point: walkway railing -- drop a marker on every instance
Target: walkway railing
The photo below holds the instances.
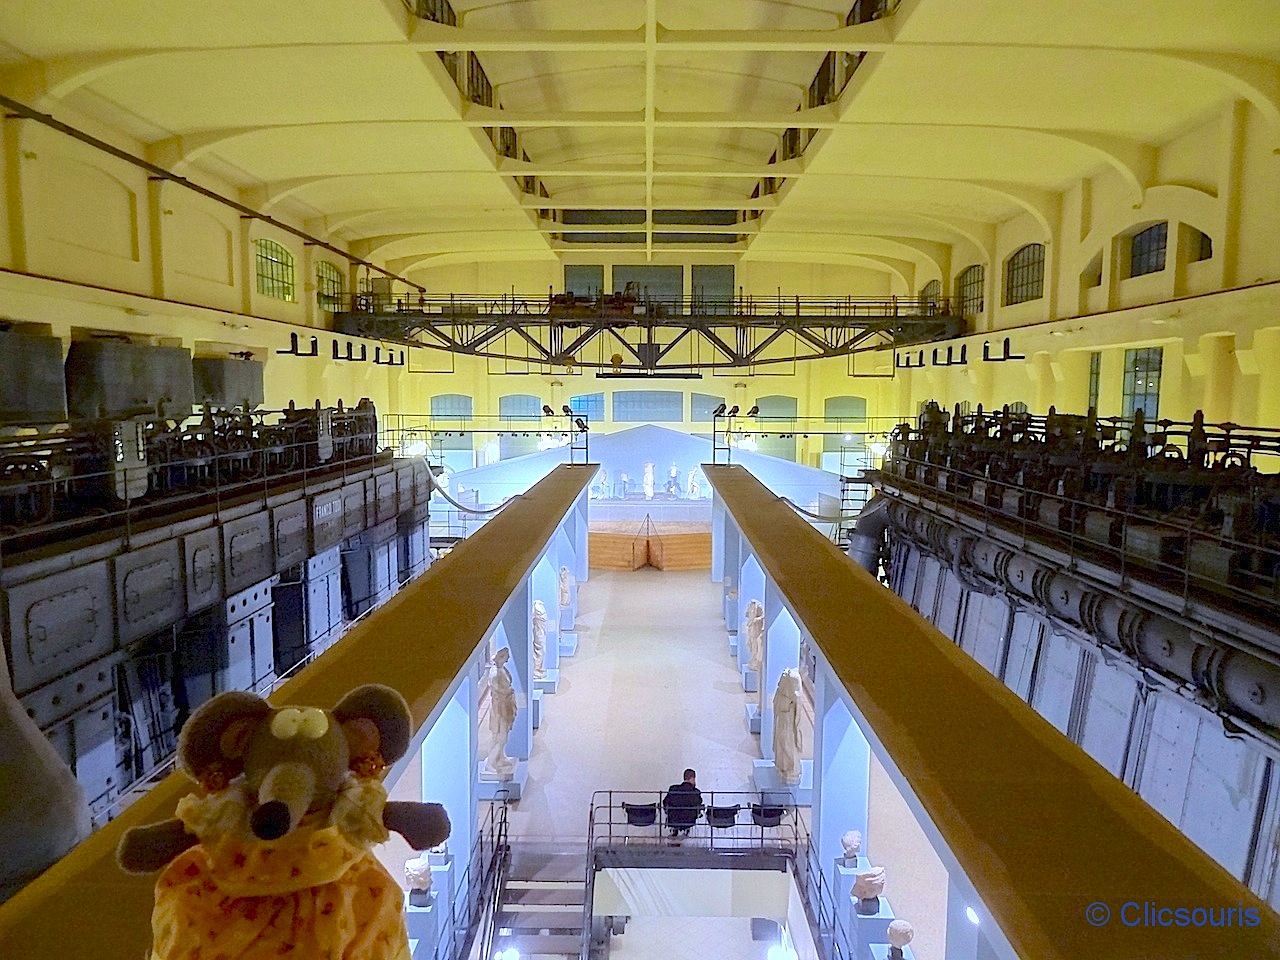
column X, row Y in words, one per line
column 474, row 907
column 731, row 824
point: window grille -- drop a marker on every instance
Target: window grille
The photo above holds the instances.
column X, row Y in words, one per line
column 1024, row 275
column 969, row 287
column 1147, row 249
column 274, row 267
column 329, row 286
column 1142, row 382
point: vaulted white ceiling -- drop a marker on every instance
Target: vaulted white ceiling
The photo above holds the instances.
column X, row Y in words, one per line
column 340, row 113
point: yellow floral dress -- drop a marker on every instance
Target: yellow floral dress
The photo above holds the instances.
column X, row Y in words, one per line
column 316, row 893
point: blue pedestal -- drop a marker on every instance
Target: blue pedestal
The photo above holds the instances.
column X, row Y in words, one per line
column 753, row 717
column 423, row 926
column 845, row 876
column 733, row 645
column 774, row 790
column 548, row 684
column 489, row 789
column 535, row 708
column 872, row 930
column 566, row 618
column 568, row 643
column 750, row 680
column 880, row 951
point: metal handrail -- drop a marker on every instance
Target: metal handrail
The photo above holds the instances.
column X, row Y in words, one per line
column 468, row 915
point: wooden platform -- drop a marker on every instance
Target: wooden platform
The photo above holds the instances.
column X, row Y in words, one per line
column 1041, row 830
column 618, row 545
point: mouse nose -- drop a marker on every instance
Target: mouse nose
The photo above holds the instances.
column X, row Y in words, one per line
column 271, row 821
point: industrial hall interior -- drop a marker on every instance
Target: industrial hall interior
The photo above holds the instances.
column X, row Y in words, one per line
column 640, row 479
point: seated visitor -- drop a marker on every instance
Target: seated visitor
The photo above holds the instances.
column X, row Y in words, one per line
column 682, row 805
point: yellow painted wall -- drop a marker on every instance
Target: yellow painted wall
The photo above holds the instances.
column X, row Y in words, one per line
column 176, row 264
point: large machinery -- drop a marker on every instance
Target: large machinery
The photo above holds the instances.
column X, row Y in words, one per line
column 1123, row 578
column 163, row 539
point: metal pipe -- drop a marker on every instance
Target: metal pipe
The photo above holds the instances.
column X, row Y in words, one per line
column 868, row 534
column 33, row 835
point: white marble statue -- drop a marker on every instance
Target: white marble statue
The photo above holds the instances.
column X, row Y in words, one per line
column 786, row 726
column 868, row 886
column 755, row 635
column 694, row 489
column 565, row 594
column 502, row 717
column 852, row 843
column 539, row 640
column 648, row 480
column 900, row 934
column 417, row 874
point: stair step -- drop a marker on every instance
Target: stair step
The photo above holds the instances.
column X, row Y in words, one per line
column 542, row 907
column 545, row 885
column 535, row 946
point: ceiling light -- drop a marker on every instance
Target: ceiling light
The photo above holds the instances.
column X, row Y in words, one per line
column 972, row 915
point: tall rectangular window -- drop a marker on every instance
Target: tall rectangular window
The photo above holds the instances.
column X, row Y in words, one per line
column 1095, row 380
column 969, row 288
column 1147, row 249
column 1142, row 382
column 645, row 406
column 273, row 265
column 328, row 286
column 1024, row 275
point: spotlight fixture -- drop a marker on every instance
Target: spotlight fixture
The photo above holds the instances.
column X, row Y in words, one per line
column 546, row 408
column 733, row 411
column 755, row 409
column 566, row 410
column 719, row 411
column 582, row 424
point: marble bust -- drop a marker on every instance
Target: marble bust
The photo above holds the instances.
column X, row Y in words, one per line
column 900, row 934
column 852, row 843
column 868, row 885
column 417, row 874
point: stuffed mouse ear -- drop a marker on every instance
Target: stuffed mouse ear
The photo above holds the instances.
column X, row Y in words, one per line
column 388, row 712
column 211, row 744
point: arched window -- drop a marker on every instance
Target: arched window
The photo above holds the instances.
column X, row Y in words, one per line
column 451, row 405
column 970, row 290
column 329, row 286
column 1201, row 246
column 1147, row 249
column 519, row 406
column 274, row 267
column 931, row 291
column 1024, row 275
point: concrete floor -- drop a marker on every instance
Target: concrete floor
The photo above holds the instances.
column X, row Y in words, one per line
column 651, row 691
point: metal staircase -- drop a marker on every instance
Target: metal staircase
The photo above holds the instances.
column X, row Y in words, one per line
column 539, row 911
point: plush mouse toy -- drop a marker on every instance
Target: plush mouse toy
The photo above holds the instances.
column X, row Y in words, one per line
column 272, row 858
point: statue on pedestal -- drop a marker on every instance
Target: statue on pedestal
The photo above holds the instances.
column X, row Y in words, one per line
column 852, row 843
column 539, row 640
column 755, row 635
column 417, row 874
column 694, row 484
column 868, row 885
column 900, row 934
column 502, row 717
column 786, row 726
column 648, row 480
column 565, row 600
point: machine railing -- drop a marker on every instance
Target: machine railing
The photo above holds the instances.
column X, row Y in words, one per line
column 1179, row 555
column 65, row 480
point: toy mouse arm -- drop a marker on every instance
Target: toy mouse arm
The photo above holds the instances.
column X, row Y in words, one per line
column 148, row 849
column 423, row 825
